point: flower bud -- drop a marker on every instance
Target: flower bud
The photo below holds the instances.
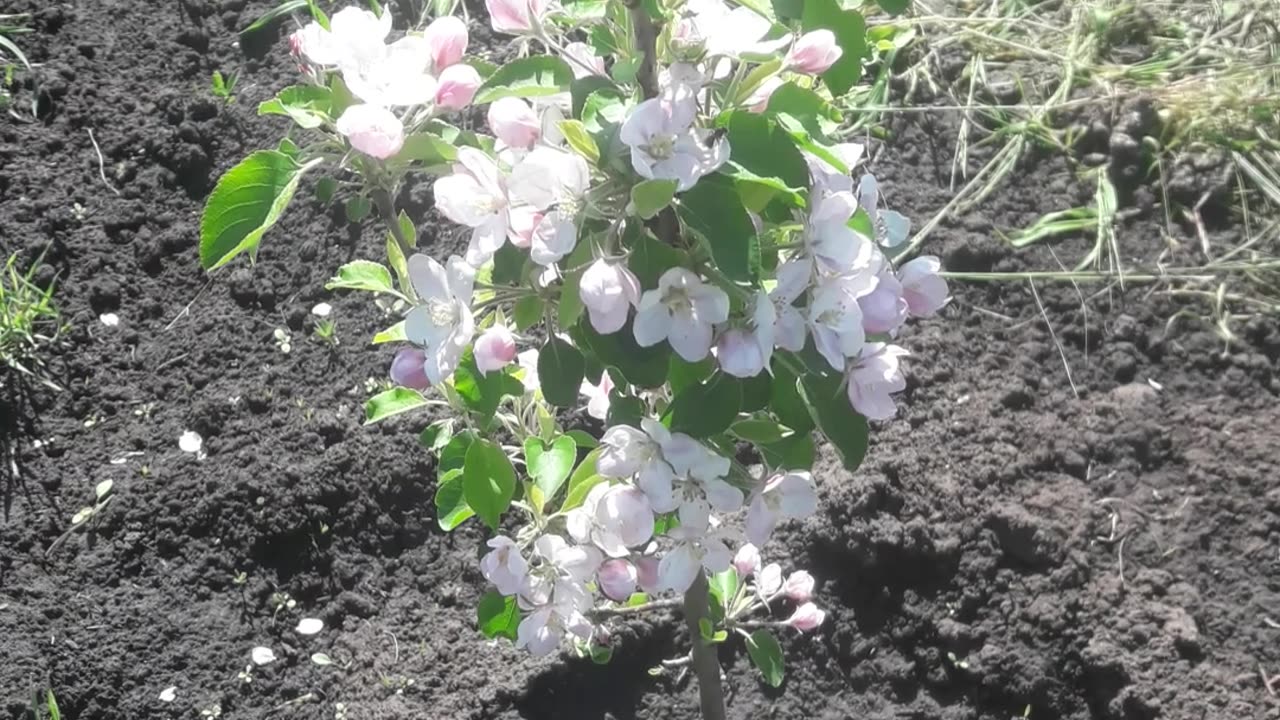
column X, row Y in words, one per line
column 408, row 369
column 758, row 101
column 747, row 560
column 495, row 349
column 617, row 579
column 513, row 121
column 807, row 617
column 516, row 17
column 447, row 39
column 738, row 353
column 924, row 290
column 770, row 580
column 296, row 41
column 814, row 53
column 457, row 87
column 799, row 586
column 374, row 131
column 608, row 290
column 647, row 574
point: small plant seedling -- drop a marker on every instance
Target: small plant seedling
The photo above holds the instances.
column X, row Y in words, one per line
column 284, row 340
column 224, row 86
column 30, row 323
column 11, row 56
column 325, row 331
column 102, row 497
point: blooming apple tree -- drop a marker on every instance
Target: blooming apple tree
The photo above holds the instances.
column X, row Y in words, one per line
column 658, row 228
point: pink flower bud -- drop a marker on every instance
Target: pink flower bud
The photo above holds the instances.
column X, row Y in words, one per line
column 814, row 53
column 447, row 39
column 295, row 43
column 883, row 309
column 457, row 87
column 758, row 102
column 799, row 586
column 408, row 369
column 495, row 349
column 747, row 560
column 608, row 290
column 373, row 130
column 807, row 617
column 738, row 353
column 513, row 121
column 617, row 579
column 647, row 574
column 770, row 579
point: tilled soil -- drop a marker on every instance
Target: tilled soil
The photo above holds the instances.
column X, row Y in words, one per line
column 1073, row 516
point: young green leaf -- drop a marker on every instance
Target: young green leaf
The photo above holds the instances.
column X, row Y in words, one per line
column 481, row 392
column 766, row 655
column 575, row 133
column 246, row 203
column 488, row 481
column 549, row 466
column 362, row 275
column 358, row 208
column 497, row 615
column 275, row 13
column 391, row 402
column 306, row 105
column 707, row 408
column 641, row 366
column 527, row 312
column 395, row 333
column 584, row 478
column 760, row 431
column 651, row 196
column 830, row 409
column 817, row 115
column 560, row 371
column 451, row 507
column 583, row 439
column 536, row 76
column 796, row 452
column 454, row 454
column 436, row 435
column 429, row 149
column 723, row 586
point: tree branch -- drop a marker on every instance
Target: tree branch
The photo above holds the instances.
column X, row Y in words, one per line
column 706, row 665
column 646, row 35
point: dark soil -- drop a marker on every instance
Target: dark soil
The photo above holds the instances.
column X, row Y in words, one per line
column 1012, row 545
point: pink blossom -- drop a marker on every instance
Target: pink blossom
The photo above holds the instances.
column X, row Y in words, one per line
column 799, row 586
column 924, row 290
column 617, row 579
column 457, row 87
column 647, row 573
column 495, row 349
column 814, row 53
column 374, row 131
column 447, row 38
column 408, row 369
column 874, row 376
column 788, row 495
column 883, row 309
column 514, row 122
column 807, row 617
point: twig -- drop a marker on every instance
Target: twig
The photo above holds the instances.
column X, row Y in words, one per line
column 706, row 664
column 670, row 603
column 1268, row 682
column 1054, row 336
column 187, row 310
column 102, row 170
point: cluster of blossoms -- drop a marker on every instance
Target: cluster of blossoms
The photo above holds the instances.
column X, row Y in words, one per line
column 596, row 270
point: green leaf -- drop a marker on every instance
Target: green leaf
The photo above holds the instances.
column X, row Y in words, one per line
column 818, row 116
column 395, row 333
column 451, row 507
column 307, row 105
column 845, row 429
column 683, row 373
column 362, row 275
column 391, row 402
column 894, row 7
column 766, row 655
column 757, row 192
column 358, row 208
column 651, row 196
column 437, row 435
column 760, row 431
column 454, row 454
column 723, row 586
column 427, row 148
column 583, row 439
column 755, row 391
column 527, row 312
column 624, row 409
column 766, row 150
column 549, row 466
column 793, row 453
column 488, row 481
column 583, row 87
column 575, row 133
column 325, row 188
column 579, row 489
column 497, row 615
column 649, row 257
column 788, row 9
column 714, row 209
column 560, row 371
column 785, row 399
column 482, row 393
column 850, row 29
column 643, row 367
column 246, row 202
column 536, row 76
column 705, row 409
column 600, row 655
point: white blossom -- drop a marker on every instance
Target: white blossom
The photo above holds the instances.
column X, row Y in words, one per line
column 554, row 182
column 682, row 311
column 475, row 195
column 788, row 495
column 442, row 324
column 835, row 246
column 665, row 145
column 504, row 566
column 835, row 318
column 873, row 378
column 746, row 350
column 923, row 290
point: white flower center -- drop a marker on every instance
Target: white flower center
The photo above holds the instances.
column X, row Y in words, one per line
column 661, row 147
column 677, row 299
